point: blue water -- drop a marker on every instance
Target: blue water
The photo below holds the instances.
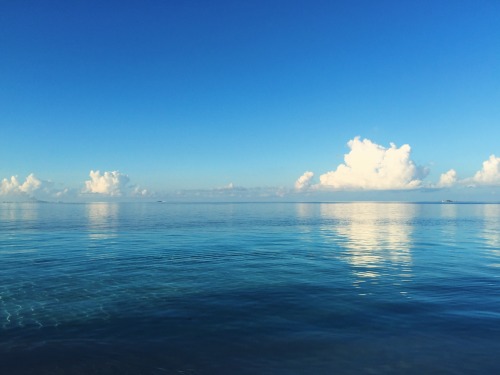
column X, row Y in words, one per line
column 341, row 288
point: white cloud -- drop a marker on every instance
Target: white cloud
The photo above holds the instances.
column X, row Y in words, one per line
column 490, row 174
column 230, row 192
column 369, row 166
column 229, row 186
column 31, row 184
column 109, row 183
column 304, row 181
column 62, row 193
column 33, row 188
column 12, row 186
column 447, row 179
column 140, row 192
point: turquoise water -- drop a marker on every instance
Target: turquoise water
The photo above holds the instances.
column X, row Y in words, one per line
column 345, row 288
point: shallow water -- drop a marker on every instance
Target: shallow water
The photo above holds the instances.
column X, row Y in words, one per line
column 345, row 288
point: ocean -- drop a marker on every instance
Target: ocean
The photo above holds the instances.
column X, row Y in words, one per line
column 249, row 288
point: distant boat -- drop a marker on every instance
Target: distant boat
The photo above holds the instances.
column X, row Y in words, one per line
column 447, row 201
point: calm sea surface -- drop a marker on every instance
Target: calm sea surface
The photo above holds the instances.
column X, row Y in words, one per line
column 341, row 288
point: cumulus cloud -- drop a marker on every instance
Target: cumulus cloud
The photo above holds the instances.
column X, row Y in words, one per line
column 12, row 186
column 490, row 173
column 448, row 179
column 109, row 183
column 369, row 166
column 304, row 181
column 113, row 184
column 31, row 188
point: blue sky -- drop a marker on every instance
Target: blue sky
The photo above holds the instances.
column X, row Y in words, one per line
column 199, row 96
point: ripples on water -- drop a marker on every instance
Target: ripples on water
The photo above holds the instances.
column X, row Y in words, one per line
column 249, row 288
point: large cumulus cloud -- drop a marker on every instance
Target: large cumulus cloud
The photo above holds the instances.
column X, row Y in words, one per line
column 109, row 183
column 369, row 166
column 113, row 184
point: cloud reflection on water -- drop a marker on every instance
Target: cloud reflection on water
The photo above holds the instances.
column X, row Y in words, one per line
column 491, row 229
column 375, row 237
column 19, row 212
column 102, row 220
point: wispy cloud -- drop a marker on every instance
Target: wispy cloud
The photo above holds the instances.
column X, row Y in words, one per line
column 230, row 192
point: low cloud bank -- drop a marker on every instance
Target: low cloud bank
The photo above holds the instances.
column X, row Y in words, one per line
column 228, row 193
column 366, row 167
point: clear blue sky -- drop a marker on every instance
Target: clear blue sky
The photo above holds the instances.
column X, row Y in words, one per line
column 198, row 94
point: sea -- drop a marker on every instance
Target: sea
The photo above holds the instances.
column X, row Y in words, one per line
column 249, row 288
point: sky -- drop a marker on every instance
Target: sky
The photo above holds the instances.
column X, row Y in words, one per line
column 250, row 100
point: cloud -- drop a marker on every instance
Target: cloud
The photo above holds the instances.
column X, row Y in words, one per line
column 140, row 192
column 369, row 166
column 113, row 184
column 230, row 187
column 490, row 173
column 33, row 188
column 230, row 192
column 62, row 193
column 304, row 181
column 12, row 186
column 109, row 183
column 447, row 179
